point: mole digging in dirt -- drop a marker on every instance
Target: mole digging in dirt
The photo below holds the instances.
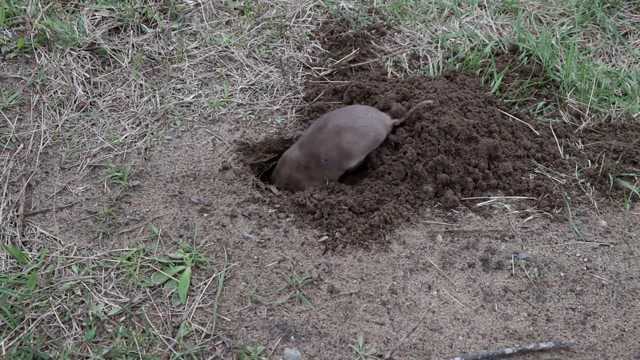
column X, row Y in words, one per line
column 337, row 142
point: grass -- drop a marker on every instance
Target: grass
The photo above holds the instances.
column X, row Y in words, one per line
column 584, row 48
column 119, row 175
column 175, row 272
column 295, row 285
column 252, row 352
column 361, row 351
column 35, row 27
column 69, row 290
column 9, row 98
column 106, row 82
column 293, row 290
column 630, row 182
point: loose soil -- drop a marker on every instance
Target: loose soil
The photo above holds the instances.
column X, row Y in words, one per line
column 464, row 148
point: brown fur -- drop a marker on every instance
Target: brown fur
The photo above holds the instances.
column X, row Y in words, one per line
column 336, row 142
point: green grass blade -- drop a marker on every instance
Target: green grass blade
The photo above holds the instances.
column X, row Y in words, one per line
column 183, row 285
column 161, row 277
column 7, row 317
column 634, row 189
column 32, row 280
column 17, row 254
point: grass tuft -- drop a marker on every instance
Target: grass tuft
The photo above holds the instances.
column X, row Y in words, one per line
column 252, row 352
column 361, row 351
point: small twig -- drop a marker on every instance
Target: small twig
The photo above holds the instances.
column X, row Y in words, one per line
column 6, row 344
column 389, row 354
column 557, row 142
column 454, row 298
column 498, row 198
column 39, row 229
column 439, row 223
column 221, row 277
column 156, row 332
column 139, row 225
column 53, row 208
column 441, row 272
column 590, row 243
column 4, row 75
column 515, row 350
column 346, row 58
column 275, row 347
column 519, row 120
column 384, row 57
column 197, row 303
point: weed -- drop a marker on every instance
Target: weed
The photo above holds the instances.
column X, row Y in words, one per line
column 67, row 31
column 118, row 175
column 572, row 220
column 361, row 351
column 399, row 9
column 105, row 220
column 511, row 7
column 295, row 284
column 531, row 271
column 155, row 232
column 9, row 99
column 597, row 12
column 176, row 270
column 31, row 352
column 252, row 352
column 355, row 15
column 630, row 182
column 140, row 16
column 131, row 262
column 221, row 102
column 293, row 290
column 18, row 288
column 10, row 11
column 49, row 26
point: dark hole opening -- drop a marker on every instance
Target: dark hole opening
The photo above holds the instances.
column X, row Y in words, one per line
column 357, row 174
column 264, row 169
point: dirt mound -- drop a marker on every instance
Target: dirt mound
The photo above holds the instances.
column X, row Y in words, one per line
column 463, row 146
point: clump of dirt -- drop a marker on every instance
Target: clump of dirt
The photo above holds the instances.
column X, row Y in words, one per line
column 461, row 147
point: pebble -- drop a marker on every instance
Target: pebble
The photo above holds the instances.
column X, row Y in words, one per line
column 291, row 354
column 199, row 200
column 520, row 256
column 247, row 236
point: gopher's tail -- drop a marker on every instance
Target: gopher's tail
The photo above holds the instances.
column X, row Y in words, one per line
column 418, row 106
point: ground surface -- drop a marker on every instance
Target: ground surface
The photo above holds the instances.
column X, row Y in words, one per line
column 138, row 222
